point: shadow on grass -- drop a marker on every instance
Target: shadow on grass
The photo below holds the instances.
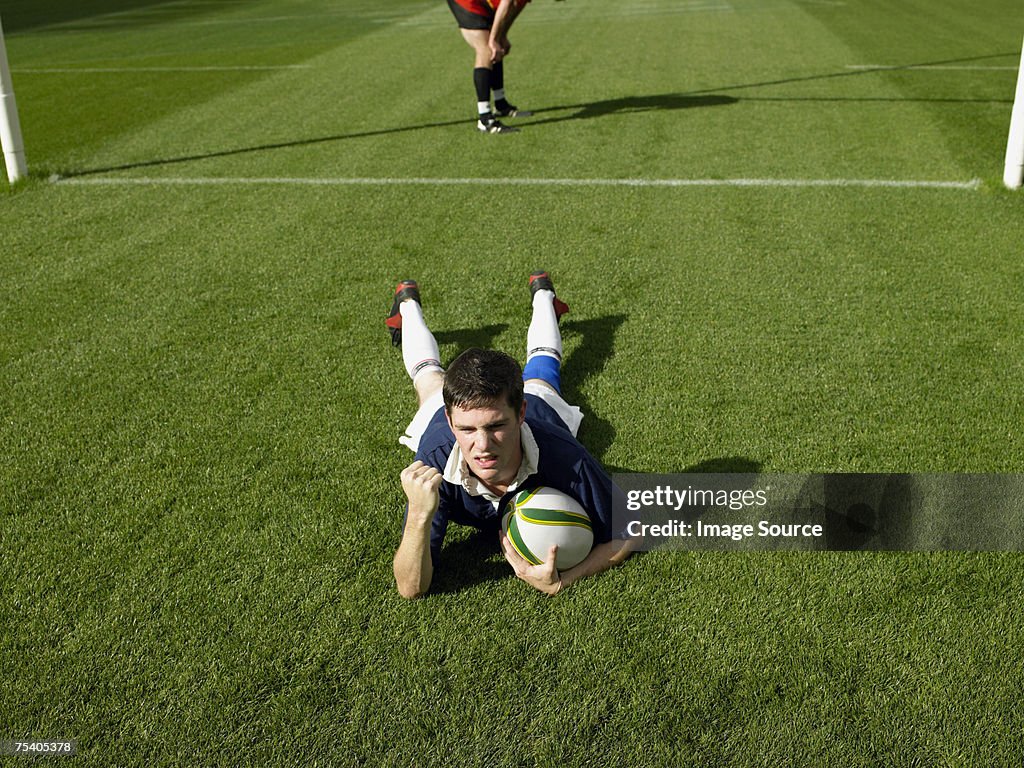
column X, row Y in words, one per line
column 582, row 111
column 740, row 465
column 864, row 511
column 465, row 338
column 630, row 104
column 583, row 364
column 473, row 560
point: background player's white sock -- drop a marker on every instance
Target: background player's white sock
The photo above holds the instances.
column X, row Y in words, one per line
column 419, row 347
column 543, row 336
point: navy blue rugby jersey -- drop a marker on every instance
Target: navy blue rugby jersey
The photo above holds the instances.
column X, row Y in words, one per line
column 564, row 464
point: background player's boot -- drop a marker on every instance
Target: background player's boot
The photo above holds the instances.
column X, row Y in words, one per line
column 490, row 124
column 407, row 289
column 507, row 110
column 541, row 281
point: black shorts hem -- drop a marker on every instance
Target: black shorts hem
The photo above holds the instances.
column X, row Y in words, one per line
column 469, row 20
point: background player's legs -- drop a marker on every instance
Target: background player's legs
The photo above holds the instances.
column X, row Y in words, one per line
column 498, row 87
column 502, row 107
column 482, row 69
column 483, row 72
column 477, row 39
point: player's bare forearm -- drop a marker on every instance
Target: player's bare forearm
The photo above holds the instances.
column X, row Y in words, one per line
column 414, row 568
column 545, row 578
column 505, row 14
column 601, row 558
column 413, row 565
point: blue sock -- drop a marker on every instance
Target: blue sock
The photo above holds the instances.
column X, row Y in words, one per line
column 546, row 368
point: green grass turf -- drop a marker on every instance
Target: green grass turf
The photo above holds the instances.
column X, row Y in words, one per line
column 199, row 407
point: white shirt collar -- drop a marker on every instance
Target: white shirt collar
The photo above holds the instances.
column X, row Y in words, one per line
column 456, row 471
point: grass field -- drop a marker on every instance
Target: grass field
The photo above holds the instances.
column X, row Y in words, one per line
column 813, row 267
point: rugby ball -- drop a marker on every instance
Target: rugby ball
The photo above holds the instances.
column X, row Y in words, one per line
column 540, row 517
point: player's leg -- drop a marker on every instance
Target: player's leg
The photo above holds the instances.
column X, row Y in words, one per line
column 428, row 385
column 477, row 40
column 542, row 373
column 476, row 31
column 419, row 347
column 483, row 80
column 483, row 71
column 502, row 108
column 543, row 338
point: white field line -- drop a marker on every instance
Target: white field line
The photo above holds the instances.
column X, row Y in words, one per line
column 129, row 70
column 211, row 181
column 937, row 67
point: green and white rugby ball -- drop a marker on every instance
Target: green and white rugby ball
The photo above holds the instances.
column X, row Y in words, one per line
column 540, row 517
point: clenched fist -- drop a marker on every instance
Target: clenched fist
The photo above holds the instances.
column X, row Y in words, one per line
column 421, row 484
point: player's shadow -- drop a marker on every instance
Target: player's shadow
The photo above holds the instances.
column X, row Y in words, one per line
column 738, row 465
column 863, row 511
column 586, row 361
column 665, row 101
column 464, row 338
column 475, row 559
column 588, row 110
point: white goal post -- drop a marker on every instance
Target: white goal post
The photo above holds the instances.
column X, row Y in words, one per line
column 10, row 129
column 1013, row 171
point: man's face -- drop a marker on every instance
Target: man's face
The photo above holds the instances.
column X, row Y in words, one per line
column 490, row 441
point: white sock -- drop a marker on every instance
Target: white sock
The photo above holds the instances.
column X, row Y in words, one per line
column 419, row 347
column 543, row 336
column 483, row 107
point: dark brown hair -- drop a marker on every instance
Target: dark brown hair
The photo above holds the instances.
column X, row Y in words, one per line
column 479, row 377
